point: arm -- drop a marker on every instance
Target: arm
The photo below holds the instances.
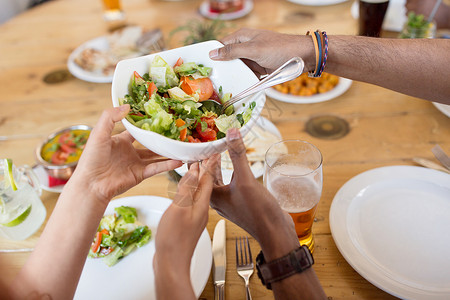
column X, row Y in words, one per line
column 179, row 230
column 416, row 67
column 248, row 204
column 107, row 167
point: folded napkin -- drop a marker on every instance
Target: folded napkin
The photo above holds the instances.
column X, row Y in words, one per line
column 52, row 181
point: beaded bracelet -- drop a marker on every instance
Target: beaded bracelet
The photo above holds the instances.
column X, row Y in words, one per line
column 325, row 53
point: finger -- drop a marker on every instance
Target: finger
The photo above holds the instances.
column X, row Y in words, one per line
column 187, row 187
column 257, row 69
column 232, row 51
column 148, row 154
column 159, row 167
column 126, row 136
column 241, row 36
column 217, row 172
column 237, row 151
column 206, row 183
column 205, row 166
column 109, row 117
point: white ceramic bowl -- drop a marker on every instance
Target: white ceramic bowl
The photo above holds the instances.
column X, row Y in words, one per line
column 234, row 76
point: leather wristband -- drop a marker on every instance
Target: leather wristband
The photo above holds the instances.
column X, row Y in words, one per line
column 296, row 261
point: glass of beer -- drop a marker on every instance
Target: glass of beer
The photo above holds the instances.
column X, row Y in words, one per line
column 371, row 16
column 112, row 10
column 293, row 174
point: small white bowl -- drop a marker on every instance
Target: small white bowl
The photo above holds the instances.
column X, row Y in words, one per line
column 234, row 77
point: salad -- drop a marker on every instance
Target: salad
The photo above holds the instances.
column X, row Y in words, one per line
column 118, row 234
column 169, row 101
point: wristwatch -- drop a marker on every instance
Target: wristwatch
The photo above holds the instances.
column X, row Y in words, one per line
column 296, row 261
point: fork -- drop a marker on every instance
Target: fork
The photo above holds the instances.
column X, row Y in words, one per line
column 244, row 262
column 441, row 156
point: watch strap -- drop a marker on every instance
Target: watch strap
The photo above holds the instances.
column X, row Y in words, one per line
column 296, row 261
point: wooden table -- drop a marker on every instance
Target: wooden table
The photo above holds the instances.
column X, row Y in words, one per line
column 386, row 128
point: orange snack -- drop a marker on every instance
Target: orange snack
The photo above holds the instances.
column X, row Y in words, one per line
column 306, row 86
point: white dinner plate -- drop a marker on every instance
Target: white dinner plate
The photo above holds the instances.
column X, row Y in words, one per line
column 257, row 168
column 100, row 43
column 317, row 2
column 204, row 11
column 42, row 176
column 443, row 108
column 343, row 85
column 395, row 15
column 132, row 277
column 392, row 225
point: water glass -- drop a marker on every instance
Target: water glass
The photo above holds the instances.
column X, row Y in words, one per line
column 293, row 174
column 21, row 211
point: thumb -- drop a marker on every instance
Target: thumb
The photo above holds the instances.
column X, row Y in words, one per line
column 109, row 117
column 237, row 151
column 229, row 52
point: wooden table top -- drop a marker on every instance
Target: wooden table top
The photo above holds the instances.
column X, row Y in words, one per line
column 386, row 128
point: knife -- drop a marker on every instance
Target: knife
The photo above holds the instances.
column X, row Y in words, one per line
column 220, row 260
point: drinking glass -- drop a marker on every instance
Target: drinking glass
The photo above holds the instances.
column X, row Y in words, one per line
column 112, row 10
column 371, row 16
column 293, row 174
column 21, row 211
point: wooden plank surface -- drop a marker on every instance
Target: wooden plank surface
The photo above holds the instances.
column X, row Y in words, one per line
column 386, row 128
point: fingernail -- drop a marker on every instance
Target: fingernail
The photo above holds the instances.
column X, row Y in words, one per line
column 233, row 134
column 124, row 107
column 214, row 53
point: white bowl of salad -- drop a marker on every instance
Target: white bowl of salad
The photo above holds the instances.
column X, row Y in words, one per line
column 166, row 91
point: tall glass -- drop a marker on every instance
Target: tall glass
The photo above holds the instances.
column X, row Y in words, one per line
column 371, row 16
column 112, row 10
column 21, row 211
column 293, row 174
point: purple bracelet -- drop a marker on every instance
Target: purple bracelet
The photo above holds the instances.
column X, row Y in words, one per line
column 325, row 38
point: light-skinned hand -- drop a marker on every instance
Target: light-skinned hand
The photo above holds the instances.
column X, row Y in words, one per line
column 180, row 229
column 110, row 165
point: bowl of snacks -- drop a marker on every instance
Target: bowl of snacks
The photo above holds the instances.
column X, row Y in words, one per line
column 168, row 93
column 60, row 151
column 305, row 89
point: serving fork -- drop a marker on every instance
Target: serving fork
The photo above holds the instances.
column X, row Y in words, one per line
column 244, row 262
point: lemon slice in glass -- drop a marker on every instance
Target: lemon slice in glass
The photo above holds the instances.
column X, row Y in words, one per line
column 19, row 219
column 9, row 177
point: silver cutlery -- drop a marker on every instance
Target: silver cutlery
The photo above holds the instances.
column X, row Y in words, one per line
column 441, row 156
column 288, row 71
column 244, row 262
column 220, row 260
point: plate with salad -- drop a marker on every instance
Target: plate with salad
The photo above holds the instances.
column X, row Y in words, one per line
column 132, row 277
column 168, row 93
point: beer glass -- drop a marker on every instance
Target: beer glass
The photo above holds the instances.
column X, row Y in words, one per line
column 112, row 10
column 21, row 211
column 371, row 16
column 293, row 174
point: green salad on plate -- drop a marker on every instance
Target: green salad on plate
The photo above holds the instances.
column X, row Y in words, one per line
column 118, row 235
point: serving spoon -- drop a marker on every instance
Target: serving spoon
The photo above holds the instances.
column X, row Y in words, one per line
column 288, row 71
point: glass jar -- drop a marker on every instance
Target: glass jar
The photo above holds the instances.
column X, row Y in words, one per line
column 428, row 31
column 21, row 210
